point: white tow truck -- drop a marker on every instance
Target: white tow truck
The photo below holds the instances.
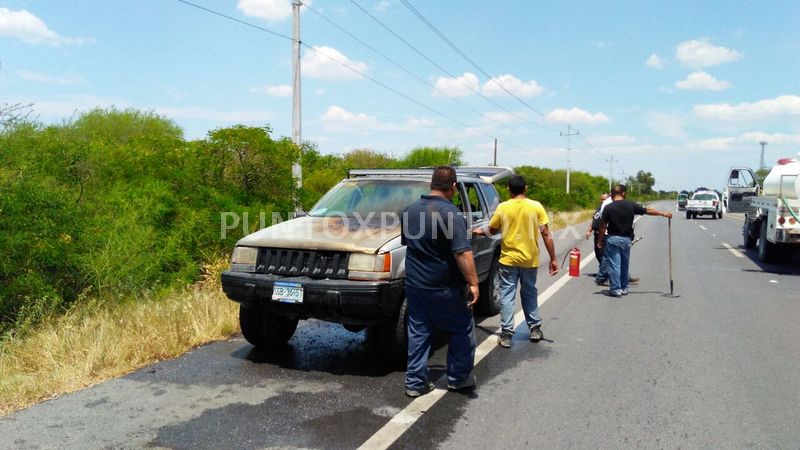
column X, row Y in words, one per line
column 772, row 212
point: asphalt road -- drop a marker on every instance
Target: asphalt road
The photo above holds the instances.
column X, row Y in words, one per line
column 717, row 366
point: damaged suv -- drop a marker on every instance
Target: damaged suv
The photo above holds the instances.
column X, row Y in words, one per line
column 343, row 262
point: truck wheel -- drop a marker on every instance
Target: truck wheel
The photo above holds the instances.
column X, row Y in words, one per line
column 489, row 301
column 750, row 238
column 719, row 215
column 767, row 251
column 688, row 215
column 390, row 338
column 263, row 329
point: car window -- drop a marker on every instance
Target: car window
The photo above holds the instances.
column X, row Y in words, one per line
column 490, row 195
column 369, row 196
column 704, row 197
column 475, row 203
column 458, row 201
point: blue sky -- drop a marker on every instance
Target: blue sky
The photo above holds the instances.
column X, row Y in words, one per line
column 683, row 89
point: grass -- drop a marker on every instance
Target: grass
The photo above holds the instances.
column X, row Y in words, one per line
column 95, row 342
column 98, row 341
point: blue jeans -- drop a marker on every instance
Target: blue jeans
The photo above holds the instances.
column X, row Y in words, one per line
column 617, row 257
column 509, row 276
column 444, row 308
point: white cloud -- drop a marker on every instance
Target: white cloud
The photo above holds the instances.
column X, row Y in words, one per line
column 319, row 91
column 748, row 140
column 270, row 10
column 655, row 62
column 699, row 53
column 215, row 114
column 665, row 125
column 702, row 81
column 281, row 90
column 326, row 63
column 337, row 118
column 778, row 106
column 462, row 86
column 383, row 6
column 47, row 79
column 576, row 116
column 414, row 122
column 29, row 28
column 513, row 84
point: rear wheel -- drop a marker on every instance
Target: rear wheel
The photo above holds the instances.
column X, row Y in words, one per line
column 688, row 215
column 767, row 251
column 749, row 236
column 719, row 215
column 263, row 329
column 489, row 300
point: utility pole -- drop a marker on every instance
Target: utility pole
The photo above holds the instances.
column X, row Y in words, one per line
column 494, row 160
column 762, row 144
column 568, row 134
column 297, row 169
column 611, row 162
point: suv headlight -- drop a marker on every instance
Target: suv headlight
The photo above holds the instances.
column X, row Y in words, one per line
column 364, row 266
column 244, row 259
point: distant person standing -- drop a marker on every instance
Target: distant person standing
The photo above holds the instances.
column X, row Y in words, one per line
column 594, row 229
column 521, row 221
column 616, row 235
column 441, row 285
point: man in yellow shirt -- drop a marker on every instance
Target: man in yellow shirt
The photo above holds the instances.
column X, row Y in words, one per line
column 521, row 221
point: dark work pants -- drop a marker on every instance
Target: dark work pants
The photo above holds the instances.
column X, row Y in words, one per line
column 446, row 309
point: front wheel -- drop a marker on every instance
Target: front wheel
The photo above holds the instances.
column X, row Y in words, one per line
column 688, row 215
column 391, row 337
column 750, row 238
column 263, row 329
column 719, row 215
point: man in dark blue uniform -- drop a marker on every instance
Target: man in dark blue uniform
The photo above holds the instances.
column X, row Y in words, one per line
column 441, row 285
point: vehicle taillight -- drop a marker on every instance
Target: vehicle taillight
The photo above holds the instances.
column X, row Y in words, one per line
column 785, row 161
column 792, row 221
column 781, row 220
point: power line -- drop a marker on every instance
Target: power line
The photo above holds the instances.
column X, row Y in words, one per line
column 467, row 58
column 451, row 75
column 354, row 70
column 412, row 74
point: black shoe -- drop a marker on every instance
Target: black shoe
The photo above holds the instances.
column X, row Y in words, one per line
column 414, row 393
column 536, row 333
column 504, row 340
column 466, row 385
column 601, row 282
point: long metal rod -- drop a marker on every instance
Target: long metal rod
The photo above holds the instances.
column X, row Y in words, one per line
column 669, row 232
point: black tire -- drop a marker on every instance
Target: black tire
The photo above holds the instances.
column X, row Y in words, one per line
column 391, row 338
column 688, row 215
column 489, row 300
column 264, row 329
column 714, row 216
column 719, row 215
column 749, row 237
column 767, row 251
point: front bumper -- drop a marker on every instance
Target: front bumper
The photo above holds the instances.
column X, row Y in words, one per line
column 343, row 301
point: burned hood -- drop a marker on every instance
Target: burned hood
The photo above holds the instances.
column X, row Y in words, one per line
column 327, row 233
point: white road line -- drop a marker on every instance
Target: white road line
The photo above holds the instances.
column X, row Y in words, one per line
column 704, row 228
column 401, row 422
column 735, row 252
column 398, row 425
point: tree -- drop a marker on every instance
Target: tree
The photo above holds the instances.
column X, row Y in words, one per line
column 432, row 157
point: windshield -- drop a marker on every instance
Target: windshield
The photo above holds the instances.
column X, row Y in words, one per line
column 682, row 196
column 704, row 197
column 362, row 197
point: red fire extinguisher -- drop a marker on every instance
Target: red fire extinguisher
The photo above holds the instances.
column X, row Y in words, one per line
column 575, row 262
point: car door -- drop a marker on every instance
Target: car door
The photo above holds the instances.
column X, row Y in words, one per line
column 741, row 184
column 479, row 216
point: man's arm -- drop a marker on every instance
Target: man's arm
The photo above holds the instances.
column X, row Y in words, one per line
column 655, row 212
column 551, row 249
column 488, row 231
column 466, row 264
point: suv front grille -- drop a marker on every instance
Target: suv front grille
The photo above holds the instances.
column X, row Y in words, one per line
column 309, row 263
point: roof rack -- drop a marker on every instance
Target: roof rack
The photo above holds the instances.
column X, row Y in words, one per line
column 487, row 173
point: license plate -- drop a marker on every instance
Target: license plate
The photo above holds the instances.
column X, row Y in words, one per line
column 285, row 292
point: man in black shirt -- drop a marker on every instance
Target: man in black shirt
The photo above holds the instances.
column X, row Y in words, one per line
column 616, row 234
column 441, row 285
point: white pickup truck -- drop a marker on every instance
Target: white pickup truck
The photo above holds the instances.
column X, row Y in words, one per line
column 704, row 203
